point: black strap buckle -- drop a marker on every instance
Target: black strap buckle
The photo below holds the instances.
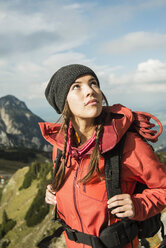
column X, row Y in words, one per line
column 72, row 234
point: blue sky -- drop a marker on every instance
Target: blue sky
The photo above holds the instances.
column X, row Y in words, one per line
column 124, row 42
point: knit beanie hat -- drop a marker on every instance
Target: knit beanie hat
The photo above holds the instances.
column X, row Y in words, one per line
column 60, row 83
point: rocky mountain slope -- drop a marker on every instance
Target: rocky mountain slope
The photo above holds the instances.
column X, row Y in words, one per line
column 19, row 126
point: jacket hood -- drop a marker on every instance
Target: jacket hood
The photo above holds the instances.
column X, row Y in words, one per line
column 50, row 131
column 117, row 122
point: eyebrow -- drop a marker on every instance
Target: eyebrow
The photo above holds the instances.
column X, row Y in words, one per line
column 92, row 78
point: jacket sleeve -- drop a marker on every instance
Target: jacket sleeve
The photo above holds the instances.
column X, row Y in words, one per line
column 140, row 163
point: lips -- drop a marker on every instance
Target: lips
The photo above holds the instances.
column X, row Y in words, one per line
column 91, row 102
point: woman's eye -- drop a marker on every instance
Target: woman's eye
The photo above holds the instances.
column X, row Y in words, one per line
column 93, row 83
column 76, row 86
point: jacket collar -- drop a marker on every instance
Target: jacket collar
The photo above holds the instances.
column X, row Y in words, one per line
column 118, row 121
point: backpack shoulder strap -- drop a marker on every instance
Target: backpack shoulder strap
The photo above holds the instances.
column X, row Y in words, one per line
column 113, row 169
column 57, row 164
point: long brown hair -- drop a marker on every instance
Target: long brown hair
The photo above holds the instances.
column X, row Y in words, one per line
column 95, row 156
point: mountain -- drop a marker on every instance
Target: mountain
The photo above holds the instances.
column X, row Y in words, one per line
column 19, row 126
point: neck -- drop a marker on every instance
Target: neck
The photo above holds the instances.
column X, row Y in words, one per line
column 84, row 129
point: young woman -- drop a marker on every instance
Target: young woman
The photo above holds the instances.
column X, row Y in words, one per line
column 87, row 132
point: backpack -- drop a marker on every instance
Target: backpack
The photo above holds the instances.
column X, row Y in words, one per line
column 147, row 228
column 122, row 232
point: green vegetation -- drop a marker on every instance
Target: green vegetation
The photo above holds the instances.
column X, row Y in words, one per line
column 162, row 157
column 38, row 209
column 17, row 203
column 7, row 225
column 5, row 243
column 31, row 174
column 36, row 171
column 0, row 193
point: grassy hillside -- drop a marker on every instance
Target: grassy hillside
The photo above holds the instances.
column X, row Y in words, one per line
column 16, row 204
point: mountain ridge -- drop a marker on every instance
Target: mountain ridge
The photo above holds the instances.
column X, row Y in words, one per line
column 19, row 126
column 10, row 99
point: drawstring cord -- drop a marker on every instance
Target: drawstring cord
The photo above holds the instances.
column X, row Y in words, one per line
column 144, row 126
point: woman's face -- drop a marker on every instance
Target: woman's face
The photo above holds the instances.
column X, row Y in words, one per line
column 85, row 98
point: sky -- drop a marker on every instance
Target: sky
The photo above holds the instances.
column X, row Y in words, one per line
column 123, row 41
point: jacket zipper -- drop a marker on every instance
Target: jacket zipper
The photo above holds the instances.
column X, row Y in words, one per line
column 74, row 197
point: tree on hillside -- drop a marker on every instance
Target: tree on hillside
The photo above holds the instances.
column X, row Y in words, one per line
column 7, row 225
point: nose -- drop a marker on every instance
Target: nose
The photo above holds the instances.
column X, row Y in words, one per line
column 89, row 90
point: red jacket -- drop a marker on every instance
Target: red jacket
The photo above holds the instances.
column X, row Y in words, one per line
column 84, row 207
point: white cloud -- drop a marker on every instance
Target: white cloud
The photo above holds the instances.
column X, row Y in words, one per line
column 33, row 22
column 30, row 74
column 155, row 88
column 73, row 6
column 36, row 91
column 135, row 42
column 151, row 71
column 52, row 28
column 60, row 59
column 2, row 63
column 150, row 76
column 28, row 68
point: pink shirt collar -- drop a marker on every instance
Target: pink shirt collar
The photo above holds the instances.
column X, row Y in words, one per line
column 77, row 152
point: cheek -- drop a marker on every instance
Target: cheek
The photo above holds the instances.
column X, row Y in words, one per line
column 74, row 105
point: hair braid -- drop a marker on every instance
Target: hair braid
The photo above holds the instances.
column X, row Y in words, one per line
column 95, row 157
column 59, row 178
column 99, row 131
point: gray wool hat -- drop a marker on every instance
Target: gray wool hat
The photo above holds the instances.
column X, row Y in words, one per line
column 60, row 83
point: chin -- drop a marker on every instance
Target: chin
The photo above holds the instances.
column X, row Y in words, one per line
column 95, row 114
column 88, row 114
